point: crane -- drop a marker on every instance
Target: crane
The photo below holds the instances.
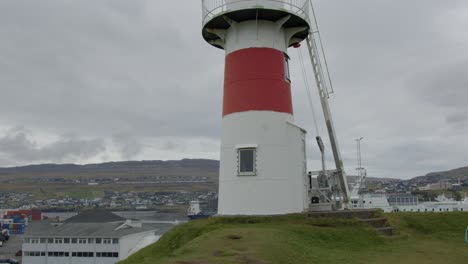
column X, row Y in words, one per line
column 333, row 184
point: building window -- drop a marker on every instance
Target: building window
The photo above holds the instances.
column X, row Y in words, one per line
column 115, row 241
column 82, row 241
column 83, row 254
column 58, row 241
column 106, row 241
column 246, row 161
column 107, row 254
column 33, row 253
column 56, row 254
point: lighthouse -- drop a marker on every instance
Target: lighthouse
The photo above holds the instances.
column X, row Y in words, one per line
column 263, row 158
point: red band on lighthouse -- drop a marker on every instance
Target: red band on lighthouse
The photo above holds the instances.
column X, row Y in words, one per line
column 254, row 79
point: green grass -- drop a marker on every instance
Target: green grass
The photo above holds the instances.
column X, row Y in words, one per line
column 421, row 238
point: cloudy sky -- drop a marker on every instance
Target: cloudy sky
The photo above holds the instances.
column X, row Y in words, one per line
column 102, row 80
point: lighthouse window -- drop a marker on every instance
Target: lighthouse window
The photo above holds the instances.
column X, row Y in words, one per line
column 286, row 70
column 246, row 161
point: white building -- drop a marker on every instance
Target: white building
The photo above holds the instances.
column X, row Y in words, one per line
column 93, row 237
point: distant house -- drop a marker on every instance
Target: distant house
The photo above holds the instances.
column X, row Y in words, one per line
column 442, row 185
column 92, row 237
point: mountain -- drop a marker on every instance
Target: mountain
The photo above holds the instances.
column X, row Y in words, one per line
column 126, row 169
column 459, row 173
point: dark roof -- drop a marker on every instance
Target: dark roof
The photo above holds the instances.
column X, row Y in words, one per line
column 95, row 216
column 47, row 229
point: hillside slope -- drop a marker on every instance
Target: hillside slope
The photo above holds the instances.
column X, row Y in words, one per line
column 422, row 238
column 458, row 173
column 126, row 169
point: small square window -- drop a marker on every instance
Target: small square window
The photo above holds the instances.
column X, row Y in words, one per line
column 246, row 161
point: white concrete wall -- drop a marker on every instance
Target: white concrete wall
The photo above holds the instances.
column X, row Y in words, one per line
column 250, row 34
column 34, row 260
column 68, row 260
column 69, row 248
column 128, row 243
column 279, row 186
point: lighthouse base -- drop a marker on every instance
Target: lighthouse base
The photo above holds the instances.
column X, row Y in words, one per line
column 271, row 179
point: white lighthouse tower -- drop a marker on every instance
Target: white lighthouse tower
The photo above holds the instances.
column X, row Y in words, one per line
column 263, row 162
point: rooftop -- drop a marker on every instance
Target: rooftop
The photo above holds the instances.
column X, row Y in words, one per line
column 95, row 216
column 95, row 223
column 48, row 229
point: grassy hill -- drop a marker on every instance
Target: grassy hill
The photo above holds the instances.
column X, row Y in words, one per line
column 458, row 173
column 421, row 238
column 455, row 173
column 47, row 181
column 122, row 169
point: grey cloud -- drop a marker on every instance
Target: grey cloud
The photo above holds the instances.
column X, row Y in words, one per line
column 17, row 145
column 457, row 118
column 445, row 85
column 109, row 61
column 127, row 145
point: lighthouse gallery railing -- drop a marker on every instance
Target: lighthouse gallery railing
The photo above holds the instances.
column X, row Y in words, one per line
column 213, row 8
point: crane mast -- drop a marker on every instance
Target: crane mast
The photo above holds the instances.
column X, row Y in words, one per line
column 337, row 179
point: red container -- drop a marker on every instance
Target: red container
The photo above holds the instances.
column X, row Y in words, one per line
column 26, row 212
column 36, row 215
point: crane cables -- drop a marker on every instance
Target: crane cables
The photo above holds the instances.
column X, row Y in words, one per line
column 309, row 93
column 317, row 30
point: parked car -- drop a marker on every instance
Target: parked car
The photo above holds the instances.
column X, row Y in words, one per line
column 9, row 261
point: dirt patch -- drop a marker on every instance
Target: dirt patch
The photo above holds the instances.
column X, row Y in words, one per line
column 249, row 259
column 234, row 237
column 190, row 262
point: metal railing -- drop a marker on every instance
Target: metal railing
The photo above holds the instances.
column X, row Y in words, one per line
column 213, row 8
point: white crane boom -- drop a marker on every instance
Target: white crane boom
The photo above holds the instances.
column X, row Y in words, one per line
column 339, row 176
